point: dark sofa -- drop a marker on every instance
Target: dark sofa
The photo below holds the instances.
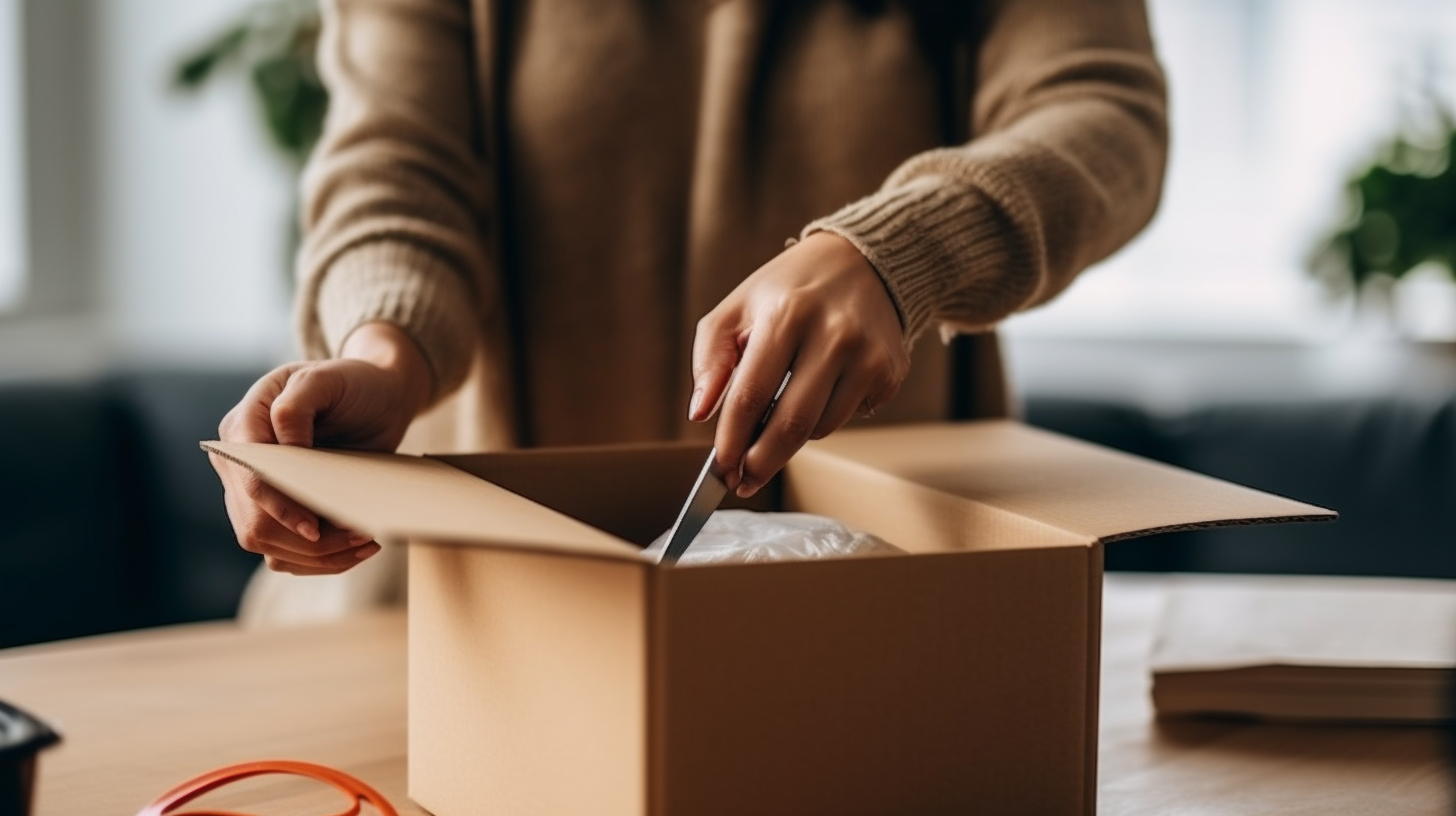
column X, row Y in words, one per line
column 1387, row 464
column 111, row 518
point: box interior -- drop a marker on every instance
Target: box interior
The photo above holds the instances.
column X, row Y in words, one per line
column 636, row 492
column 633, row 492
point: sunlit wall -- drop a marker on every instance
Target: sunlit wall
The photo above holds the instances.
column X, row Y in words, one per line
column 155, row 222
column 1275, row 103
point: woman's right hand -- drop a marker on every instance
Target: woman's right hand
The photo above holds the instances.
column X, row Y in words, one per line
column 364, row 400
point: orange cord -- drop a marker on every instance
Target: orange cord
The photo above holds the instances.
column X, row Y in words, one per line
column 357, row 791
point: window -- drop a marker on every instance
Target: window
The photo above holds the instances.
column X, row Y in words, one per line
column 1274, row 103
column 12, row 165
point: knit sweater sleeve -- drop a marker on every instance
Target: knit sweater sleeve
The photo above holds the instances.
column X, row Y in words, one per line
column 1064, row 166
column 391, row 197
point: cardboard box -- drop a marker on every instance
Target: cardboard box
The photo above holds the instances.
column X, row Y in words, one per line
column 553, row 671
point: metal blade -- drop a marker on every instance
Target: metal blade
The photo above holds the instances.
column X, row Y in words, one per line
column 706, row 494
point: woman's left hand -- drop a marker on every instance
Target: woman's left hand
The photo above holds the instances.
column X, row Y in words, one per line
column 817, row 309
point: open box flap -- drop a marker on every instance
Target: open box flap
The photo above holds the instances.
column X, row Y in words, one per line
column 1073, row 485
column 396, row 496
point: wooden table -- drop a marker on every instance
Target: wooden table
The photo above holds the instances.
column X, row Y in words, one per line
column 142, row 711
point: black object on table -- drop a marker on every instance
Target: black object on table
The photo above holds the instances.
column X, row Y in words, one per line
column 22, row 737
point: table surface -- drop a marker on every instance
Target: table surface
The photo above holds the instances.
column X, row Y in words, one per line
column 141, row 711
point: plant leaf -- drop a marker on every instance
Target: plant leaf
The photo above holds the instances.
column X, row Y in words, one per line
column 194, row 70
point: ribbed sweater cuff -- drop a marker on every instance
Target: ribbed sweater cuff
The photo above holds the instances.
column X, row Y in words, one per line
column 401, row 284
column 928, row 240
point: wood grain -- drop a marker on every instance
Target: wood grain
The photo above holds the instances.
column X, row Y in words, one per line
column 142, row 711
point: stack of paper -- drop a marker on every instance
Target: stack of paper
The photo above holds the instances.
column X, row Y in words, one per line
column 1308, row 648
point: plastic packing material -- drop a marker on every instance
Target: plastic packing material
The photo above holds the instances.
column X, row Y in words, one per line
column 743, row 536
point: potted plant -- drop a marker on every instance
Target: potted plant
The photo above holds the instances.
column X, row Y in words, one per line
column 1401, row 224
column 274, row 44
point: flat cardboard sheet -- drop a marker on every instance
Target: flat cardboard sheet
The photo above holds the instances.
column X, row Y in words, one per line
column 1229, row 622
column 1307, row 648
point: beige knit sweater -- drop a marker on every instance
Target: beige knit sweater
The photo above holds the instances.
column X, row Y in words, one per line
column 547, row 194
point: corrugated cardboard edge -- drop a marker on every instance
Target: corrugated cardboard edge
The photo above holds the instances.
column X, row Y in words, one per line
column 1210, row 525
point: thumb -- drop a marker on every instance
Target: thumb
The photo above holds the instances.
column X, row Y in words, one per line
column 308, row 393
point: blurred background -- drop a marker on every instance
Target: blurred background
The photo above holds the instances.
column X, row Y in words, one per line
column 1288, row 321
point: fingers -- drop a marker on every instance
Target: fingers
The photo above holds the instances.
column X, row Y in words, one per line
column 754, row 384
column 331, row 550
column 260, row 513
column 790, row 424
column 277, row 565
column 833, row 378
column 250, row 420
column 820, row 309
column 307, row 393
column 344, row 562
column 285, row 512
column 715, row 355
column 338, row 402
column 845, row 402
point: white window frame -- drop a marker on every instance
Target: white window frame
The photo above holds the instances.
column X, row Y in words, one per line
column 14, row 254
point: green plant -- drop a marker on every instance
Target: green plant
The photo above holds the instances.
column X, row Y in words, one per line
column 274, row 43
column 1403, row 211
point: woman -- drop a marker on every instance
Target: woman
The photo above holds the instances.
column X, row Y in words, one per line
column 524, row 213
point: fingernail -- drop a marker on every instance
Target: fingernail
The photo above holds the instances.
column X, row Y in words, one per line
column 748, row 487
column 355, row 539
column 364, row 552
column 695, row 405
column 308, row 530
